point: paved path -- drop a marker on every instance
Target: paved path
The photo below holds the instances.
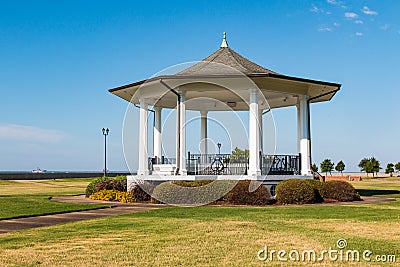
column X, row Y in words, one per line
column 116, row 208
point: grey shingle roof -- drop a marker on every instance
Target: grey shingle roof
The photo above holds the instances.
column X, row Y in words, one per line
column 226, row 56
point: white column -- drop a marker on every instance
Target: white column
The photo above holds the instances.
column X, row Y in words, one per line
column 203, row 134
column 182, row 128
column 178, row 132
column 304, row 130
column 260, row 114
column 254, row 135
column 157, row 133
column 298, row 127
column 143, row 139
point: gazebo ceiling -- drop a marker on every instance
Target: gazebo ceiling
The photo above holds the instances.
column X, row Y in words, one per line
column 223, row 80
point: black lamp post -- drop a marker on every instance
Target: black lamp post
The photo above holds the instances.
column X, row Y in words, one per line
column 105, row 133
column 219, row 148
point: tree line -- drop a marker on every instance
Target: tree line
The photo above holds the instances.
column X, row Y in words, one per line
column 367, row 165
column 328, row 166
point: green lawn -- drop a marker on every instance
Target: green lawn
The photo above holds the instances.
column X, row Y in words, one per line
column 212, row 236
column 383, row 187
column 28, row 198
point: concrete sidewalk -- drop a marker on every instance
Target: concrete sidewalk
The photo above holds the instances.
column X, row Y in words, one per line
column 116, row 208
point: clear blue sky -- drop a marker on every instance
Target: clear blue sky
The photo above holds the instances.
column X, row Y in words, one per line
column 59, row 58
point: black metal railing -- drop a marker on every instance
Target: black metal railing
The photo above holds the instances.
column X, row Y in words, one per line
column 231, row 164
column 163, row 160
column 219, row 164
column 280, row 164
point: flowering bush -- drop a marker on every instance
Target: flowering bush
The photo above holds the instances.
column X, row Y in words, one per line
column 113, row 195
column 91, row 187
column 117, row 183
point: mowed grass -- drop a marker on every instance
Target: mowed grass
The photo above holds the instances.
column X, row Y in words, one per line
column 211, row 236
column 382, row 187
column 30, row 198
column 205, row 236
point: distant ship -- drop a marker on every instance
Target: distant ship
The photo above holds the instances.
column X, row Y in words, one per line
column 38, row 170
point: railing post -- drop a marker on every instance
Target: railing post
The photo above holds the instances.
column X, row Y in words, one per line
column 198, row 170
column 188, row 162
column 285, row 157
column 149, row 165
column 299, row 162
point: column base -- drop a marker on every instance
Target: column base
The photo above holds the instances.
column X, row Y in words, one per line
column 254, row 172
column 183, row 172
column 306, row 172
column 143, row 172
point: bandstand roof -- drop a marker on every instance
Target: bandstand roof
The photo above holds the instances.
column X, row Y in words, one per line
column 225, row 68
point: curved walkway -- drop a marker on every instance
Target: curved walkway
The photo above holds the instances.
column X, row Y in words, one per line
column 116, row 208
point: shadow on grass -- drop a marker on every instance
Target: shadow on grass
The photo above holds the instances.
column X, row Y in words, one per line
column 379, row 192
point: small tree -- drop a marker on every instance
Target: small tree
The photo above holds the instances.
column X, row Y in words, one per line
column 363, row 165
column 239, row 155
column 397, row 166
column 327, row 166
column 376, row 166
column 389, row 169
column 314, row 168
column 340, row 166
column 370, row 165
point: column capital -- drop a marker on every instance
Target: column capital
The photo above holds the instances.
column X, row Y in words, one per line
column 181, row 92
column 157, row 108
column 303, row 97
column 254, row 90
column 253, row 95
column 142, row 100
column 203, row 113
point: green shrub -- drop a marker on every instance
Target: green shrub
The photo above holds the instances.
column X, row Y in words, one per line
column 112, row 184
column 296, row 191
column 241, row 195
column 319, row 188
column 340, row 190
column 141, row 192
column 91, row 187
column 119, row 177
column 113, row 195
column 171, row 193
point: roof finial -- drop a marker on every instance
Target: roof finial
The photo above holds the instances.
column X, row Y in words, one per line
column 224, row 42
